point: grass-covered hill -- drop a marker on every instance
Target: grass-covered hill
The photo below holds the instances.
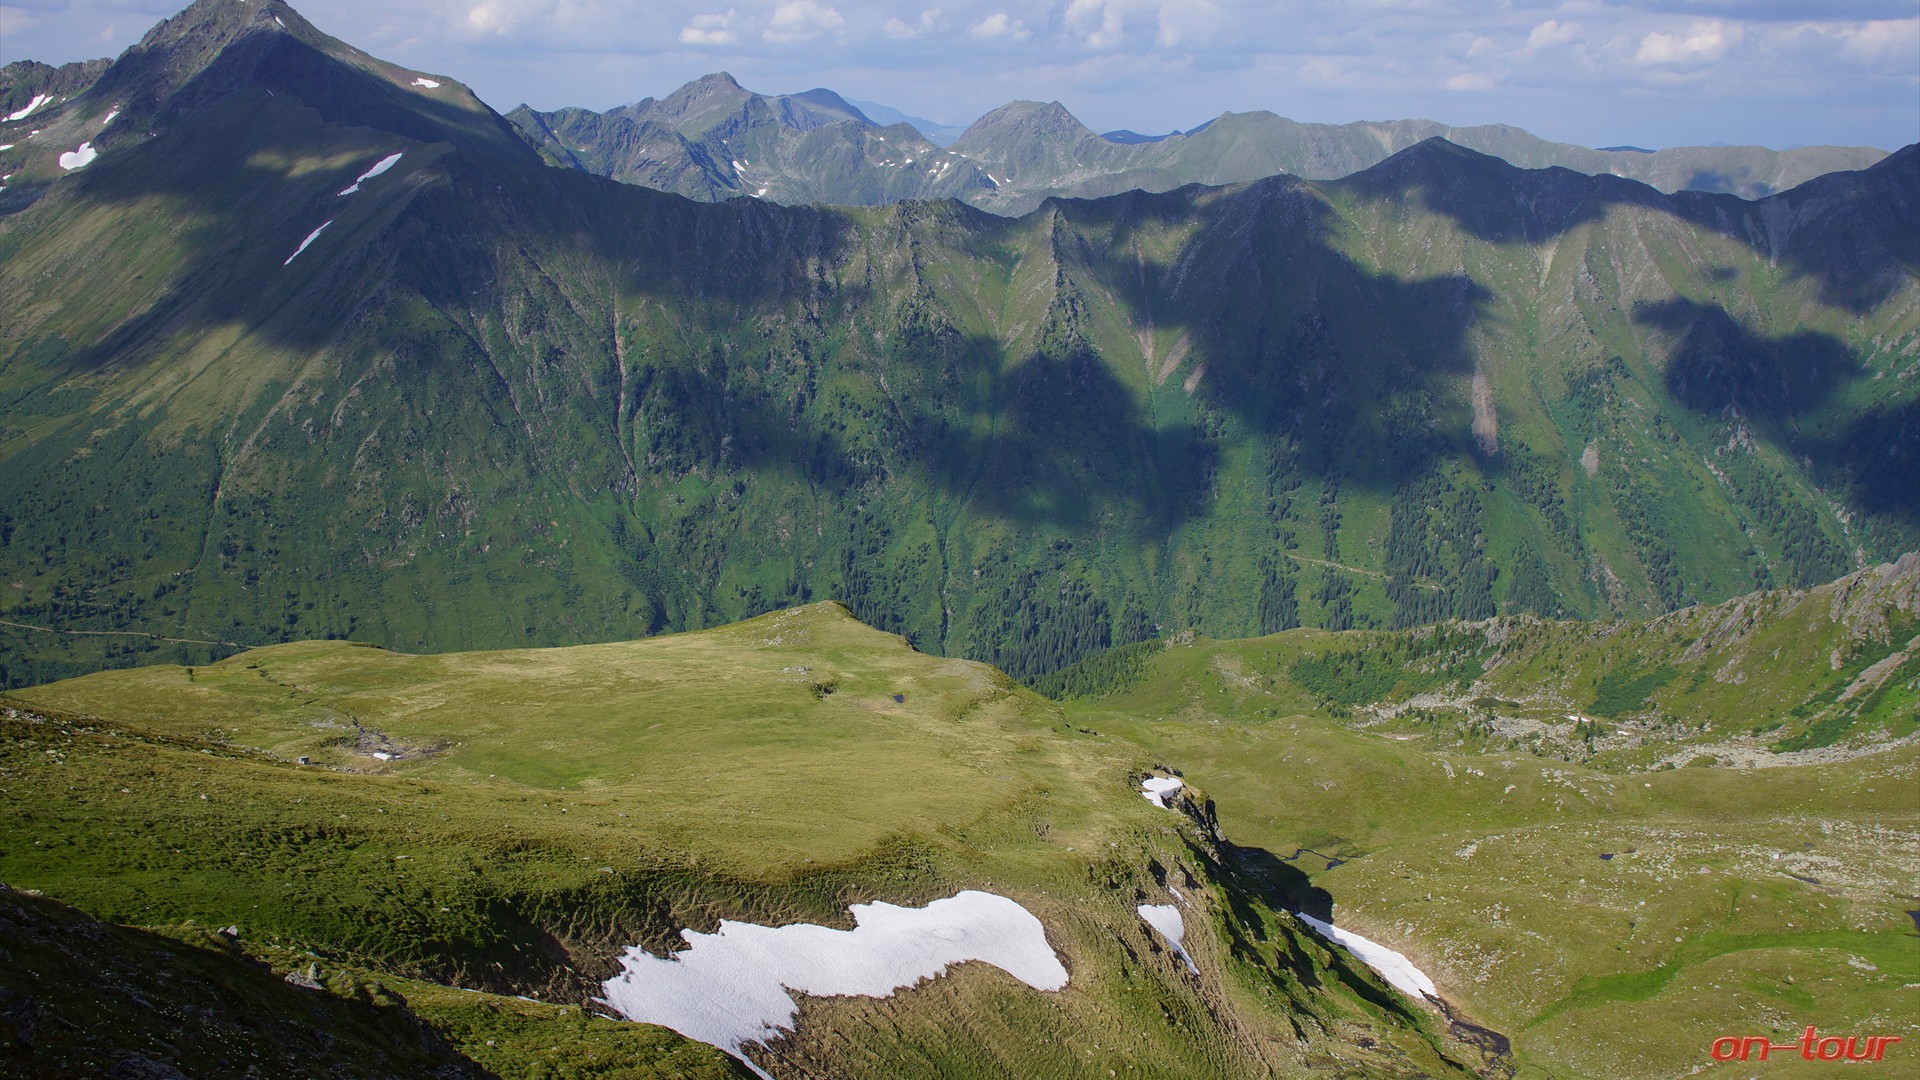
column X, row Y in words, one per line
column 1771, row 678
column 470, row 830
column 1501, row 802
column 450, row 851
column 494, row 403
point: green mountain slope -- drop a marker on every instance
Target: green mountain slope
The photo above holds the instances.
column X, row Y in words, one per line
column 87, row 999
column 426, row 836
column 1768, row 679
column 495, row 403
column 1500, row 801
column 507, row 822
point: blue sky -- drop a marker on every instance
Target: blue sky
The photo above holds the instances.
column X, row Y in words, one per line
column 1654, row 73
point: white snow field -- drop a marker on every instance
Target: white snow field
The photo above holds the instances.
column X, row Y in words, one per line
column 32, row 107
column 736, row 985
column 311, row 237
column 79, row 158
column 1156, row 789
column 428, row 83
column 379, row 167
column 1166, row 919
column 1392, row 966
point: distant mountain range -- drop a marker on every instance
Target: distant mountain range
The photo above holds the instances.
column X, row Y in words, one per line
column 301, row 343
column 713, row 139
column 887, row 115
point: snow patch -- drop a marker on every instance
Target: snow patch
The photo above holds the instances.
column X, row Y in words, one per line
column 311, row 237
column 32, row 106
column 6, row 146
column 1392, row 966
column 430, row 84
column 79, row 158
column 379, row 167
column 282, row 25
column 735, row 986
column 1166, row 919
column 1155, row 789
column 110, row 116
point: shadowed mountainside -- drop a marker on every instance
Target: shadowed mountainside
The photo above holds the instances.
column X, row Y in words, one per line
column 495, row 403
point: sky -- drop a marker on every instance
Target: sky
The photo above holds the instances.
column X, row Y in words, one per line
column 1648, row 73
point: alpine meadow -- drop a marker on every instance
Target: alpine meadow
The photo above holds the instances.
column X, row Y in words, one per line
column 703, row 588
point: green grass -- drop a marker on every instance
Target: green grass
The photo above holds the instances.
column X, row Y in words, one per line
column 1751, row 900
column 1619, row 693
column 550, row 807
column 543, row 808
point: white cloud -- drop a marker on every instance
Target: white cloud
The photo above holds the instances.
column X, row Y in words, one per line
column 490, row 18
column 1102, row 24
column 1469, row 81
column 709, row 30
column 1329, row 73
column 1704, row 43
column 1551, row 33
column 498, row 18
column 1882, row 38
column 900, row 31
column 1099, row 23
column 999, row 26
column 15, row 20
column 1188, row 22
column 801, row 20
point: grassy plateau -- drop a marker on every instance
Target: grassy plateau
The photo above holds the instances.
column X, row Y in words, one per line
column 538, row 810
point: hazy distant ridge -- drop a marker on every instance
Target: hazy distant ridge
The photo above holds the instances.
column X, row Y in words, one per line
column 1025, row 151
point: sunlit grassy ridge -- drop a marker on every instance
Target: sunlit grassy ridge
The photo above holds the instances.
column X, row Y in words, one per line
column 541, row 809
column 780, row 740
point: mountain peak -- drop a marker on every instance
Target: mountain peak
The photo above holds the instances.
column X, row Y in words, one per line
column 822, row 100
column 703, row 102
column 1028, row 122
column 1429, row 155
column 217, row 49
